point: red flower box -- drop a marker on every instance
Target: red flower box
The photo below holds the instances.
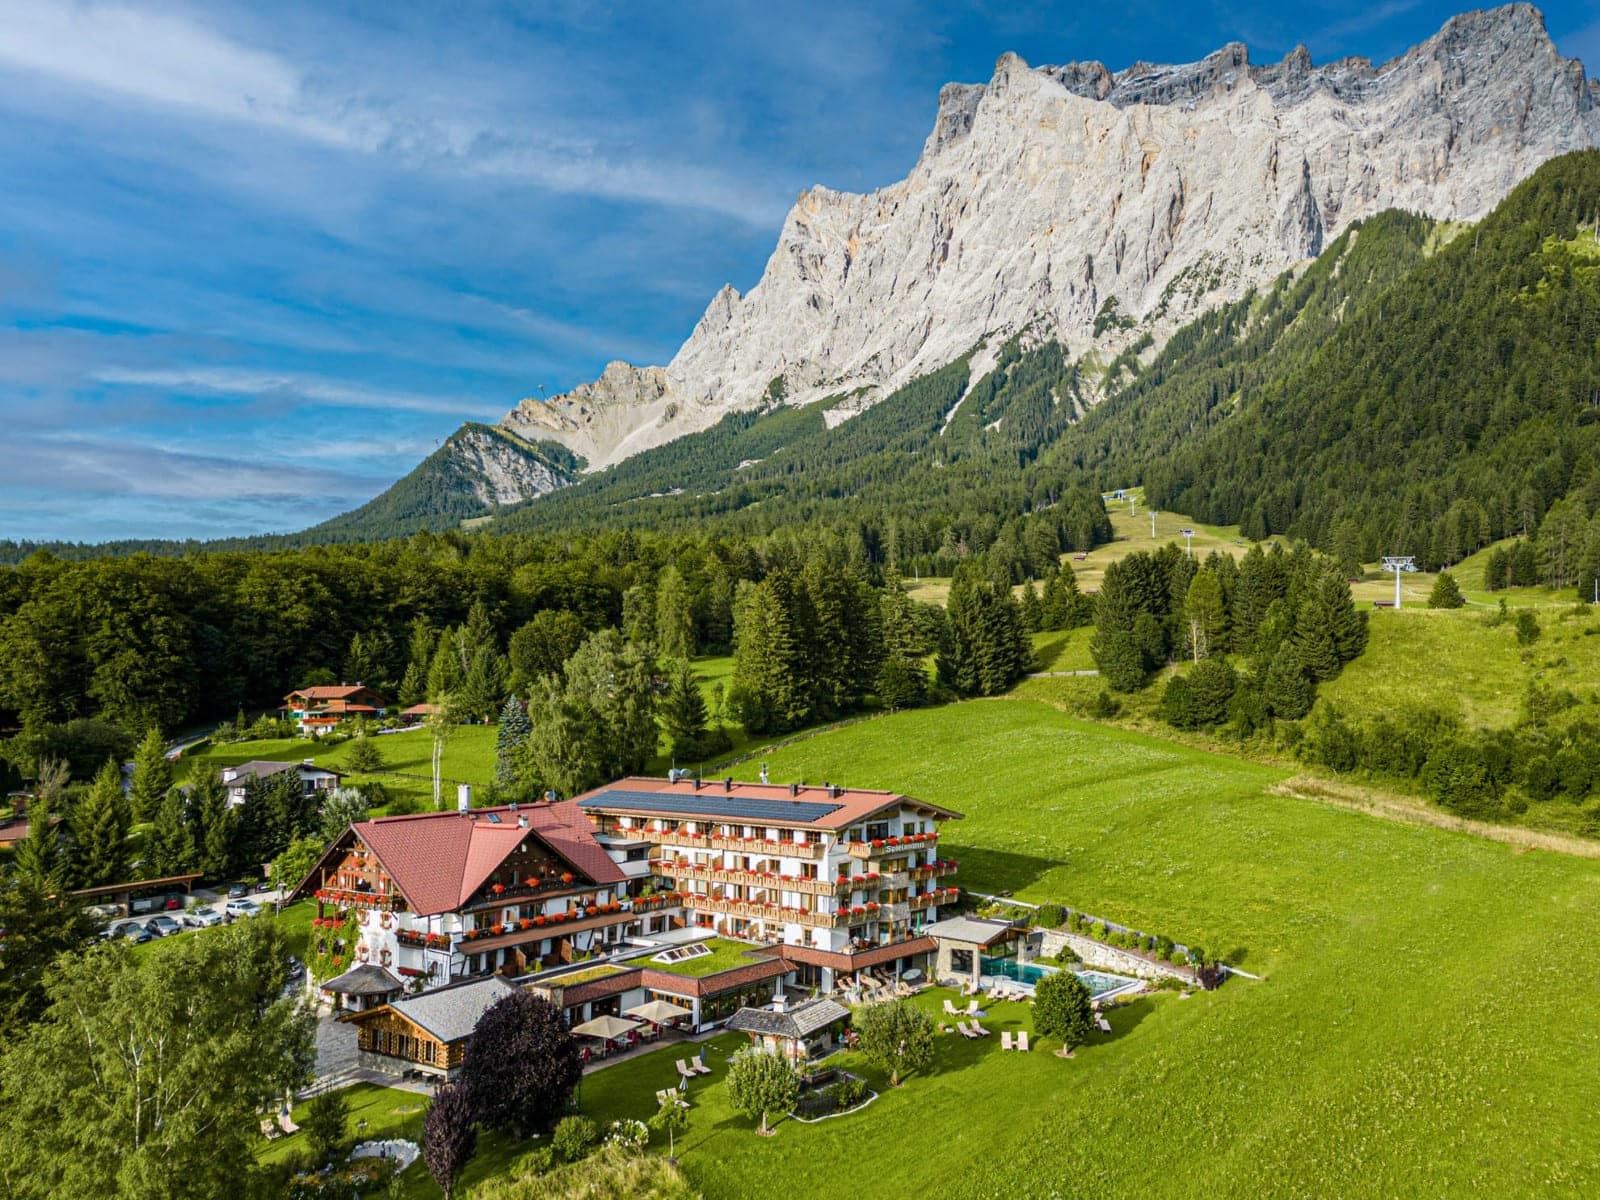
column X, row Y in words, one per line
column 539, row 921
column 498, row 889
column 531, row 882
column 525, row 923
column 567, row 877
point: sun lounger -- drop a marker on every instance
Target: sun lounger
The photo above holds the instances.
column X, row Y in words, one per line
column 698, row 1064
column 972, row 1008
column 1005, row 1039
column 1105, row 1025
column 950, row 1009
column 687, row 1072
column 286, row 1123
column 269, row 1130
column 967, row 1031
column 980, row 1030
column 1022, row 1042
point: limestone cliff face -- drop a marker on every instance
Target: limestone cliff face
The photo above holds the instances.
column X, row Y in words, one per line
column 1062, row 199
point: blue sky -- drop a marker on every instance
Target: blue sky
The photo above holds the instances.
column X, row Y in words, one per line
column 257, row 260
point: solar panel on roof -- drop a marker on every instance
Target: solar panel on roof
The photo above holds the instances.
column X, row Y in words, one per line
column 714, row 804
column 494, row 818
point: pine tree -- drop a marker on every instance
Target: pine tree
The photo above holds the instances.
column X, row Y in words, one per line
column 1286, row 690
column 1446, row 592
column 902, row 679
column 683, row 711
column 37, row 862
column 1030, row 610
column 674, row 615
column 414, row 685
column 213, row 825
column 445, row 673
column 769, row 668
column 171, row 847
column 479, row 696
column 1054, row 610
column 1115, row 650
column 152, row 776
column 509, row 740
column 100, row 822
column 1204, row 614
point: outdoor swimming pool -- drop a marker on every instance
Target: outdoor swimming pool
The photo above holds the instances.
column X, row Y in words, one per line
column 1099, row 983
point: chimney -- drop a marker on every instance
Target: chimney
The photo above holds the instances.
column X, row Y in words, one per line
column 834, row 792
column 697, row 783
column 794, row 789
column 727, row 784
column 464, row 798
column 522, row 822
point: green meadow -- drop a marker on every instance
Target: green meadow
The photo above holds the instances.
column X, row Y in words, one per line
column 1425, row 1022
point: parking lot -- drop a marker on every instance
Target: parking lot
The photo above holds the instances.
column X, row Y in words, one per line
column 177, row 914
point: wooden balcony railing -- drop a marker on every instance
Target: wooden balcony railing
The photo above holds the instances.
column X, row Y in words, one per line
column 770, row 913
column 712, row 841
column 773, row 881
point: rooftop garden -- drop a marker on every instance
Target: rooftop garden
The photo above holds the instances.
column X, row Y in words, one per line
column 603, row 971
column 725, row 955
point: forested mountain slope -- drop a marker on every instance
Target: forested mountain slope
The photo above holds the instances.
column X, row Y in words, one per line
column 478, row 469
column 1425, row 411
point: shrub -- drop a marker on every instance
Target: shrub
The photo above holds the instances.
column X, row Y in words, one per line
column 1098, row 932
column 1527, row 628
column 1050, row 916
column 632, row 1136
column 1067, row 955
column 1177, row 958
column 851, row 1091
column 574, row 1137
column 1061, row 1008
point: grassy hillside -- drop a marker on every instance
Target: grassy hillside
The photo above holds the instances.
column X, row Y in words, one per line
column 1421, row 1029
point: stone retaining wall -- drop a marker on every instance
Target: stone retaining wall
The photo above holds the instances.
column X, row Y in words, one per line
column 1108, row 958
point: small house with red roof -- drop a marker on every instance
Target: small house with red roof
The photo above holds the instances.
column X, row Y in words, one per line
column 323, row 707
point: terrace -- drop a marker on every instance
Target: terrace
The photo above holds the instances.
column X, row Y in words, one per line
column 726, row 955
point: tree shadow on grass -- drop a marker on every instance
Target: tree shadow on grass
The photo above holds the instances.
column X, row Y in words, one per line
column 1124, row 1018
column 998, row 872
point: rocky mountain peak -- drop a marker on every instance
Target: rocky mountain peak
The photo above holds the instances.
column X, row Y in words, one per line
column 1099, row 208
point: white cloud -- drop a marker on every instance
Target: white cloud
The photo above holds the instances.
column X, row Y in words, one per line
column 166, row 61
column 102, row 466
column 157, row 58
column 296, row 388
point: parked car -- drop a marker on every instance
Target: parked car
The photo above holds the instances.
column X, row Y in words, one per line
column 103, row 912
column 241, row 908
column 264, row 886
column 201, row 918
column 163, row 926
column 135, row 933
column 174, row 903
column 238, row 891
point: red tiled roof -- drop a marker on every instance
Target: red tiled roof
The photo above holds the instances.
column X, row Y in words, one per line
column 849, row 805
column 861, row 958
column 712, row 985
column 438, row 860
column 599, row 989
column 340, row 691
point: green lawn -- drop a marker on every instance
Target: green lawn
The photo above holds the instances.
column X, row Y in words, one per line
column 468, row 758
column 725, row 956
column 1459, row 662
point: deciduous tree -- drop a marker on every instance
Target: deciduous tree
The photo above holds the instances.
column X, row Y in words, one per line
column 1061, row 1009
column 760, row 1083
column 449, row 1136
column 521, row 1065
column 896, row 1037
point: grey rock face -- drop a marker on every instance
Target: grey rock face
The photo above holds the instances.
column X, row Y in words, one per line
column 1048, row 192
column 500, row 473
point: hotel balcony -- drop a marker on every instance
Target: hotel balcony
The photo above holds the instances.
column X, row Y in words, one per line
column 682, row 872
column 881, row 848
column 770, row 913
column 708, row 841
column 933, row 870
column 349, row 898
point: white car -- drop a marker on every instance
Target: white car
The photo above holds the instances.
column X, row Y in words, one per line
column 201, row 918
column 241, row 908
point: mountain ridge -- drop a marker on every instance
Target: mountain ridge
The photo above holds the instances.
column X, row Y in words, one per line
column 1096, row 209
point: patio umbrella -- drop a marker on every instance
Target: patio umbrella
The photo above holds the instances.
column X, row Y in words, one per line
column 606, row 1027
column 658, row 1012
